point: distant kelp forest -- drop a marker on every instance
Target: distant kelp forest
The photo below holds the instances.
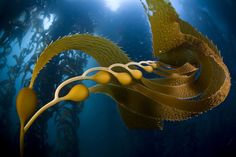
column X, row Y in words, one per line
column 26, row 28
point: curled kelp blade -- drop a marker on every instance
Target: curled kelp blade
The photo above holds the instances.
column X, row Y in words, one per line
column 213, row 92
column 182, row 93
column 102, row 50
column 176, row 42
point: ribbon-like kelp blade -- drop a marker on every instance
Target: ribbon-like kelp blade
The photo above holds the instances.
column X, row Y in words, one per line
column 102, row 50
column 174, row 40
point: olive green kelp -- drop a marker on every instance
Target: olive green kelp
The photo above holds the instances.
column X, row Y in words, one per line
column 188, row 64
column 182, row 93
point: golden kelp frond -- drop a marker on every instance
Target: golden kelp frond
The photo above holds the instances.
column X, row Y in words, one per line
column 102, row 50
column 183, row 42
column 190, row 86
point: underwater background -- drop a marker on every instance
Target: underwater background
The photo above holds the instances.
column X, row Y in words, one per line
column 94, row 127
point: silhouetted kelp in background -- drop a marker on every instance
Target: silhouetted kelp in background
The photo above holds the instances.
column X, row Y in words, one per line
column 26, row 20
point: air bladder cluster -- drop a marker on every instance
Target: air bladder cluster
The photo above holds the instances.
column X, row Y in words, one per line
column 188, row 64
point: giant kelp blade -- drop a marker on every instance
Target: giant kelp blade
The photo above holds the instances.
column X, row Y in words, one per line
column 137, row 110
column 102, row 50
column 176, row 42
column 181, row 94
column 165, row 29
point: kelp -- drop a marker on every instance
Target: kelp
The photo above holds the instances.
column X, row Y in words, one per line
column 104, row 51
column 13, row 31
column 188, row 64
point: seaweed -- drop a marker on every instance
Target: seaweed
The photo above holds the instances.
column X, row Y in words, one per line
column 144, row 103
column 26, row 18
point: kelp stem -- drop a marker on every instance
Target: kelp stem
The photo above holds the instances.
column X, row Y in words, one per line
column 22, row 136
column 40, row 111
column 78, row 78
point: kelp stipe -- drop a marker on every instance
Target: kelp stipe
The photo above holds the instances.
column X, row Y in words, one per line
column 179, row 94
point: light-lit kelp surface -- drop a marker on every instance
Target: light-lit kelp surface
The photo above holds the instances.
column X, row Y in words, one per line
column 187, row 61
column 177, row 44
